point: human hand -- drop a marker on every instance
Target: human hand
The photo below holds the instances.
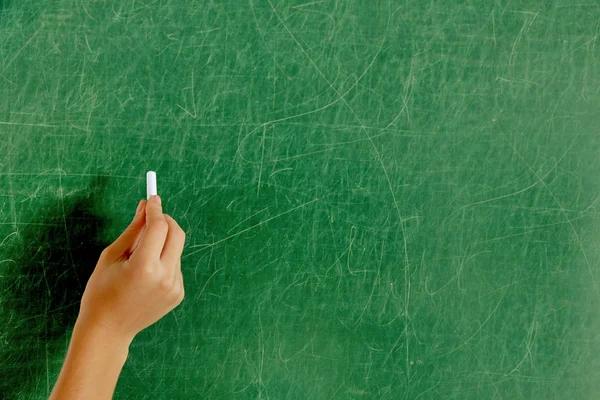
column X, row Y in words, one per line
column 138, row 278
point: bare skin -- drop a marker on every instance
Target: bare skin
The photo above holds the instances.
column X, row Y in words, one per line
column 136, row 282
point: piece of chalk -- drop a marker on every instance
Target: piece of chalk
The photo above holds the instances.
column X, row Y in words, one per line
column 151, row 184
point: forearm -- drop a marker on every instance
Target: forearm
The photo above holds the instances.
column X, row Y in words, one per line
column 92, row 366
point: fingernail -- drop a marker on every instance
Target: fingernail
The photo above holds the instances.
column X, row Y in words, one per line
column 139, row 207
column 156, row 199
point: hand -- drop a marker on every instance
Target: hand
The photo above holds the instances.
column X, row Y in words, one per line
column 138, row 278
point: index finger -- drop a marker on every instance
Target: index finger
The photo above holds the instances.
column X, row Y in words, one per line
column 153, row 239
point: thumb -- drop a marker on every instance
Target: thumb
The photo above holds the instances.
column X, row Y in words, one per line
column 122, row 247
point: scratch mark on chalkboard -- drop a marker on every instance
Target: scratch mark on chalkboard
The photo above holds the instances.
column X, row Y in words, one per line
column 587, row 261
column 86, row 10
column 294, row 116
column 22, row 48
column 11, row 198
column 404, row 333
column 440, row 289
column 8, row 80
column 8, row 260
column 285, row 360
column 207, row 245
column 375, row 281
column 478, row 329
column 334, row 395
column 405, row 97
column 339, row 269
column 518, row 40
column 591, row 205
column 349, row 251
column 246, row 219
column 494, row 28
column 431, row 388
column 309, row 4
column 262, row 36
column 530, row 230
column 208, row 280
column 261, row 349
column 89, row 48
column 305, row 154
column 595, row 38
column 149, row 366
column 487, row 372
column 195, row 114
column 210, row 255
column 262, row 158
column 329, row 16
column 529, row 344
column 27, row 124
column 248, row 385
column 465, row 260
column 46, row 280
column 540, row 180
column 281, row 170
column 224, row 361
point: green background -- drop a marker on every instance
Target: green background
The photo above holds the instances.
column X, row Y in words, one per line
column 382, row 199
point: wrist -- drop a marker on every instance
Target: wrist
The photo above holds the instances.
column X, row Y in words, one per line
column 102, row 338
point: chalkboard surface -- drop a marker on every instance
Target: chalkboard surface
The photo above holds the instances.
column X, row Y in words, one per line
column 382, row 199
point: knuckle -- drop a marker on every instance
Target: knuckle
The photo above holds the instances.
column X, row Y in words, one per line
column 165, row 284
column 105, row 253
column 146, row 273
column 180, row 297
column 178, row 293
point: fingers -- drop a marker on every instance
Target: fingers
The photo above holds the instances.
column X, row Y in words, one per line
column 177, row 285
column 171, row 257
column 139, row 236
column 171, row 252
column 153, row 239
column 125, row 243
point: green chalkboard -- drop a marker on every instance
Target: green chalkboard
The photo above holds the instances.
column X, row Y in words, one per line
column 383, row 199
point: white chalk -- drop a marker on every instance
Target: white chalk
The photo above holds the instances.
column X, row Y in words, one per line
column 151, row 184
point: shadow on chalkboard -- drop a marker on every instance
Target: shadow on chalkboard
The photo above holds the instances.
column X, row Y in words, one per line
column 50, row 263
